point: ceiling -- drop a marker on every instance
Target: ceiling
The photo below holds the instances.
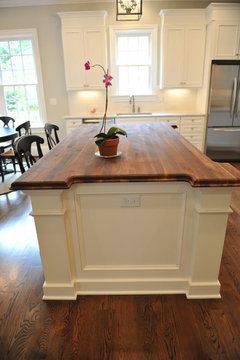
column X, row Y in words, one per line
column 14, row 3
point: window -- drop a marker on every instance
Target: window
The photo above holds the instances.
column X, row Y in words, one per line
column 21, row 95
column 133, row 61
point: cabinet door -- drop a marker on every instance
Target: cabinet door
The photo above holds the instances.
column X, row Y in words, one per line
column 194, row 56
column 227, row 41
column 79, row 46
column 173, row 56
column 73, row 58
column 95, row 52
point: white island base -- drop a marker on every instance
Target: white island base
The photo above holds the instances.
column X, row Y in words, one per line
column 131, row 238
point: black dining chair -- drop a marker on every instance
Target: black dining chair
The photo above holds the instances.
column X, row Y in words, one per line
column 23, row 150
column 24, row 128
column 51, row 134
column 7, row 120
column 8, row 156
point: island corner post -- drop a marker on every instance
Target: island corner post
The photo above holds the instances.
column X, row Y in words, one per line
column 152, row 221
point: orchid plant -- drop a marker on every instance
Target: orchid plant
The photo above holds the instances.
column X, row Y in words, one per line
column 102, row 136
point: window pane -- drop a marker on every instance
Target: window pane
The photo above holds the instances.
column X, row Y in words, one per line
column 28, row 62
column 17, row 62
column 26, row 46
column 123, row 82
column 134, row 80
column 30, row 77
column 18, row 77
column 4, row 52
column 15, row 48
column 7, row 77
column 133, row 50
column 10, row 99
column 22, row 103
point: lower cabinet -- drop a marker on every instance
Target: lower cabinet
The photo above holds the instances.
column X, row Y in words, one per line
column 193, row 129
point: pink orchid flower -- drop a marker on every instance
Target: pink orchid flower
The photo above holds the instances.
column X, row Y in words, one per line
column 87, row 65
column 107, row 80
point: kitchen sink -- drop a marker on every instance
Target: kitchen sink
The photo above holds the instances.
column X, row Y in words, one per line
column 134, row 114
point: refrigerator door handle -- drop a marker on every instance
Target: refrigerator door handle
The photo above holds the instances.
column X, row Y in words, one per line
column 237, row 100
column 232, row 129
column 234, row 96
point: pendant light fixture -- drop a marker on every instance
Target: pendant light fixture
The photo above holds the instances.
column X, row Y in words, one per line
column 129, row 10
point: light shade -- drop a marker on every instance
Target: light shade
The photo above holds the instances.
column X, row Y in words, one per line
column 128, row 10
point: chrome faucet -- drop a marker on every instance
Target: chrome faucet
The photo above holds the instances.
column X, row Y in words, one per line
column 132, row 101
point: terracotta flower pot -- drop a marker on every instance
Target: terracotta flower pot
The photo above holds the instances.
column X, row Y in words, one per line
column 109, row 148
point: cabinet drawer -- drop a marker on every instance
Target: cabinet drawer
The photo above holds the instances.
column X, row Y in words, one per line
column 196, row 120
column 170, row 119
column 193, row 137
column 191, row 129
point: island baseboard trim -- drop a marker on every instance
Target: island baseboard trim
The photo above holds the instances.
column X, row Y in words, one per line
column 197, row 290
column 131, row 286
column 204, row 290
column 59, row 291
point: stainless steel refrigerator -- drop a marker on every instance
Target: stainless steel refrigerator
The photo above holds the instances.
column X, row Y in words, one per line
column 223, row 126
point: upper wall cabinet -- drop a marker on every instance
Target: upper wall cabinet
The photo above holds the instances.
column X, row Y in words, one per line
column 225, row 20
column 84, row 38
column 182, row 48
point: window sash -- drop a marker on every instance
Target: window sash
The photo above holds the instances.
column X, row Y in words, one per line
column 26, row 34
column 150, row 61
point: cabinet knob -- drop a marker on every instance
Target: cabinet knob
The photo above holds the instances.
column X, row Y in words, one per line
column 182, row 82
column 86, row 85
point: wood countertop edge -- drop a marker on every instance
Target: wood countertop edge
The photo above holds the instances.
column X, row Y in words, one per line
column 106, row 179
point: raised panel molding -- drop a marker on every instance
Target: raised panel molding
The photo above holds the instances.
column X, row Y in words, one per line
column 144, row 247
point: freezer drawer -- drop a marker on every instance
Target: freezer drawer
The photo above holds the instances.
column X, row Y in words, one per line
column 223, row 144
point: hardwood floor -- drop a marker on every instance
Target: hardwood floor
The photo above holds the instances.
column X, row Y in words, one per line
column 109, row 327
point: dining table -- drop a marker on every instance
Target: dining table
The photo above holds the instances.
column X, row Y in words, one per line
column 7, row 134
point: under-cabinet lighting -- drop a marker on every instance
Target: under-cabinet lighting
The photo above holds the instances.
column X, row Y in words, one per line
column 178, row 92
column 88, row 94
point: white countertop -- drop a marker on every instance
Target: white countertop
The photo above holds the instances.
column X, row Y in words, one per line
column 123, row 115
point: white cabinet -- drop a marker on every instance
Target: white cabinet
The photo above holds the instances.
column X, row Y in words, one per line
column 84, row 38
column 182, row 48
column 227, row 44
column 172, row 120
column 193, row 129
column 225, row 21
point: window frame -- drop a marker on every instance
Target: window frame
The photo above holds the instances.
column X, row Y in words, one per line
column 32, row 34
column 150, row 29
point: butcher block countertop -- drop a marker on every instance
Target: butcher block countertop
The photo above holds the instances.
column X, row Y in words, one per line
column 151, row 152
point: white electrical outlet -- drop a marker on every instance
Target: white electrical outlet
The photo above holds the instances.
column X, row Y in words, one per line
column 130, row 201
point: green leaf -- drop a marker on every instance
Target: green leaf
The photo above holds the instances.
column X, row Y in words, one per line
column 100, row 140
column 114, row 130
column 101, row 135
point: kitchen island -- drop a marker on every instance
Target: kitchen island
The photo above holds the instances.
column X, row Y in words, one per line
column 151, row 221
